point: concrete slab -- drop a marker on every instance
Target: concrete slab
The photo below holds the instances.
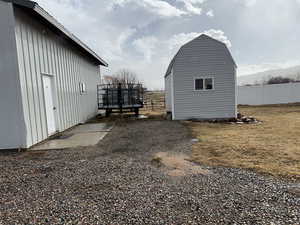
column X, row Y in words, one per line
column 93, row 127
column 80, row 136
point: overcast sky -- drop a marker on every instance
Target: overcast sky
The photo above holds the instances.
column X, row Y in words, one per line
column 143, row 35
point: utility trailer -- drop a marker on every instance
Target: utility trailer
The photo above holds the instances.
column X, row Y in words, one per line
column 120, row 98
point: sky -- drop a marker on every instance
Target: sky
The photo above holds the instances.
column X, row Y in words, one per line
column 144, row 35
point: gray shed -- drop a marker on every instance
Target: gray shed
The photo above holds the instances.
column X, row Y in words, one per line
column 48, row 77
column 200, row 82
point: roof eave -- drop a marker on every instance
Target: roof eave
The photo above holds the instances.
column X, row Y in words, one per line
column 46, row 16
column 39, row 10
column 167, row 75
column 27, row 4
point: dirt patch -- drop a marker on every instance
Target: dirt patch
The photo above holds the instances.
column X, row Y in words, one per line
column 178, row 164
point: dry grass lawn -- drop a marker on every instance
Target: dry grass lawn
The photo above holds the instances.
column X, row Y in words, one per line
column 272, row 147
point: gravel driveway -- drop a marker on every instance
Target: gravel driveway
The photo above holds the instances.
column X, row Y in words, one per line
column 117, row 182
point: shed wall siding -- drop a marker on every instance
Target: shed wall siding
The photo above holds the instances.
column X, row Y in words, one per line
column 204, row 58
column 12, row 125
column 41, row 51
column 168, row 89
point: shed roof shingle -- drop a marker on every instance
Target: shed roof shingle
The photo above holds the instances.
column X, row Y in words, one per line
column 169, row 70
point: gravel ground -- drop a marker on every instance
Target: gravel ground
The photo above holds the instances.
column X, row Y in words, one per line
column 117, row 183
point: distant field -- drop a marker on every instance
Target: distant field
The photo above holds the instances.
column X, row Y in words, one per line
column 271, row 147
column 154, row 102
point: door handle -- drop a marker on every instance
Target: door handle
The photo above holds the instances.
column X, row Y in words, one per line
column 54, row 108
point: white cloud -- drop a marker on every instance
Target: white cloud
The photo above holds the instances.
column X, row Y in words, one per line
column 163, row 8
column 193, row 6
column 158, row 7
column 192, row 9
column 180, row 39
column 219, row 35
column 146, row 46
column 117, row 44
column 210, row 13
column 248, row 3
column 150, row 46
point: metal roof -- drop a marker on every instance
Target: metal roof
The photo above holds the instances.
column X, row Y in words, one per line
column 202, row 35
column 53, row 22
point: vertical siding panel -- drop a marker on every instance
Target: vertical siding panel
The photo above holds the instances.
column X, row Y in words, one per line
column 69, row 86
column 27, row 74
column 62, row 87
column 50, row 51
column 77, row 88
column 67, row 91
column 77, row 92
column 58, row 85
column 24, row 88
column 41, row 53
column 37, row 85
column 43, row 69
column 56, row 81
column 40, row 85
column 82, row 100
column 60, row 91
column 73, row 88
column 69, row 66
column 52, row 71
column 64, row 90
column 84, row 96
column 32, row 81
column 46, row 53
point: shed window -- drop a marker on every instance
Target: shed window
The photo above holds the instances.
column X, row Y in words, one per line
column 204, row 84
column 209, row 84
column 199, row 84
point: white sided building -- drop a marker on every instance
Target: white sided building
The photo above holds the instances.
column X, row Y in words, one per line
column 48, row 78
column 200, row 82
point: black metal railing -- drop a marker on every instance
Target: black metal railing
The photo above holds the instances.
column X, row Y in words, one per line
column 120, row 96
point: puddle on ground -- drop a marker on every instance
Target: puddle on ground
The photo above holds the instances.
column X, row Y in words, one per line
column 178, row 165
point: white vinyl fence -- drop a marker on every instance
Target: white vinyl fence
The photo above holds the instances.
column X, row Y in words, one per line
column 269, row 94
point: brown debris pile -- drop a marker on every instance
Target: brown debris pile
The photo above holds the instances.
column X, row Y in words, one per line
column 245, row 119
column 241, row 119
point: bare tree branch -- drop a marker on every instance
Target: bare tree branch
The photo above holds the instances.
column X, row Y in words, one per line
column 124, row 77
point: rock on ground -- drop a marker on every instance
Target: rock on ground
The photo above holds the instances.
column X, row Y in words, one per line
column 117, row 182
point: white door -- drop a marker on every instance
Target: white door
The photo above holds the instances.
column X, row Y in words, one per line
column 49, row 104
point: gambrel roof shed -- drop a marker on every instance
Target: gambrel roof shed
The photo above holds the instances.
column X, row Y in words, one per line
column 169, row 69
column 200, row 81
